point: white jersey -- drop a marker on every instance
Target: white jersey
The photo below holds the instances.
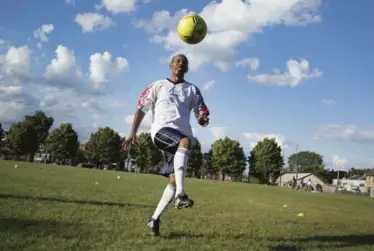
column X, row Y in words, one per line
column 171, row 105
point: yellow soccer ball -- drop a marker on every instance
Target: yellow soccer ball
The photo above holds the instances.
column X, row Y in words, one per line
column 192, row 29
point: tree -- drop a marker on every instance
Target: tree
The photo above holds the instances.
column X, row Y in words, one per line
column 306, row 161
column 228, row 158
column 80, row 156
column 266, row 160
column 41, row 124
column 145, row 154
column 104, row 146
column 63, row 142
column 195, row 160
column 21, row 139
column 206, row 166
column 356, row 171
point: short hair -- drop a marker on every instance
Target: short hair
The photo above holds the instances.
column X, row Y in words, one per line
column 180, row 55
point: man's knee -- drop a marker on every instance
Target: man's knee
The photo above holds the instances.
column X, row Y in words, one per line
column 184, row 142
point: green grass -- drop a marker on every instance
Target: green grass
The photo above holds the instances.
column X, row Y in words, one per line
column 48, row 207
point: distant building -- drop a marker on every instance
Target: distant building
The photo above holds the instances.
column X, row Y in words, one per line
column 353, row 183
column 83, row 147
column 370, row 182
column 287, row 178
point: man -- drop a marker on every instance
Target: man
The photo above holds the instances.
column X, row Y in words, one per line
column 171, row 101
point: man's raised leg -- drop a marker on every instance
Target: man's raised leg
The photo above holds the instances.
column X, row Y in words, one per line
column 174, row 143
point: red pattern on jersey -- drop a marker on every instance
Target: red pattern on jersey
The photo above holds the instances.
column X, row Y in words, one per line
column 201, row 109
column 204, row 110
column 143, row 96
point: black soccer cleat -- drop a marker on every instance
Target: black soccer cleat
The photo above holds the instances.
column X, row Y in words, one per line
column 182, row 201
column 154, row 226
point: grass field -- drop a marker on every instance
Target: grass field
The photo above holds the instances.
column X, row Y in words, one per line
column 48, row 207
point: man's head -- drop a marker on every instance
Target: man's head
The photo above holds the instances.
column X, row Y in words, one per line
column 179, row 65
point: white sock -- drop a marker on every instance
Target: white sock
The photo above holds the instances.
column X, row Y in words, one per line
column 180, row 166
column 166, row 198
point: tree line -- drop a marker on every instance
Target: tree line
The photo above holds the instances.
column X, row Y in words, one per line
column 226, row 156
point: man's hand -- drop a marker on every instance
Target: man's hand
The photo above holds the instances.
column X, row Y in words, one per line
column 203, row 120
column 128, row 142
column 138, row 117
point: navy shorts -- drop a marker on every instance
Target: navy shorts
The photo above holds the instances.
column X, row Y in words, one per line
column 167, row 140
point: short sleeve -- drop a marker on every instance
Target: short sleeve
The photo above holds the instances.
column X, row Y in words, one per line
column 147, row 98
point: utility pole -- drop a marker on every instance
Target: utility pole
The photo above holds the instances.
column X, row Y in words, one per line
column 281, row 169
column 297, row 162
column 249, row 165
column 128, row 159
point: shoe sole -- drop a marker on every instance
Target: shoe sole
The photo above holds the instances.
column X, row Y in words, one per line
column 184, row 206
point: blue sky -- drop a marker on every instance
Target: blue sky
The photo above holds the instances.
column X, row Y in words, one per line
column 86, row 62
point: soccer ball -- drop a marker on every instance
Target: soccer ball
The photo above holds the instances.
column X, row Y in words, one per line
column 192, row 29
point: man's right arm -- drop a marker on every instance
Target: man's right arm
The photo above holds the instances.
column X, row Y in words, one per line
column 145, row 102
column 138, row 118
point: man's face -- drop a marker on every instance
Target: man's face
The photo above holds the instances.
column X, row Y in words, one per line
column 179, row 65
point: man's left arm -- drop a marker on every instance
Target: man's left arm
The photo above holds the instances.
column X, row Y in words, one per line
column 201, row 110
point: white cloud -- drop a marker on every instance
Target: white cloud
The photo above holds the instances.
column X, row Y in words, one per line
column 329, row 102
column 62, row 104
column 49, row 101
column 94, row 107
column 118, row 6
column 84, row 131
column 42, row 32
column 114, row 103
column 70, row 2
column 345, row 133
column 218, row 132
column 10, row 111
column 61, row 91
column 161, row 21
column 16, row 62
column 14, row 101
column 10, row 90
column 247, row 140
column 208, row 85
column 93, row 21
column 63, row 66
column 297, row 72
column 253, row 138
column 53, row 100
column 2, row 43
column 16, row 95
column 241, row 20
column 62, row 72
column 101, row 66
column 252, row 63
